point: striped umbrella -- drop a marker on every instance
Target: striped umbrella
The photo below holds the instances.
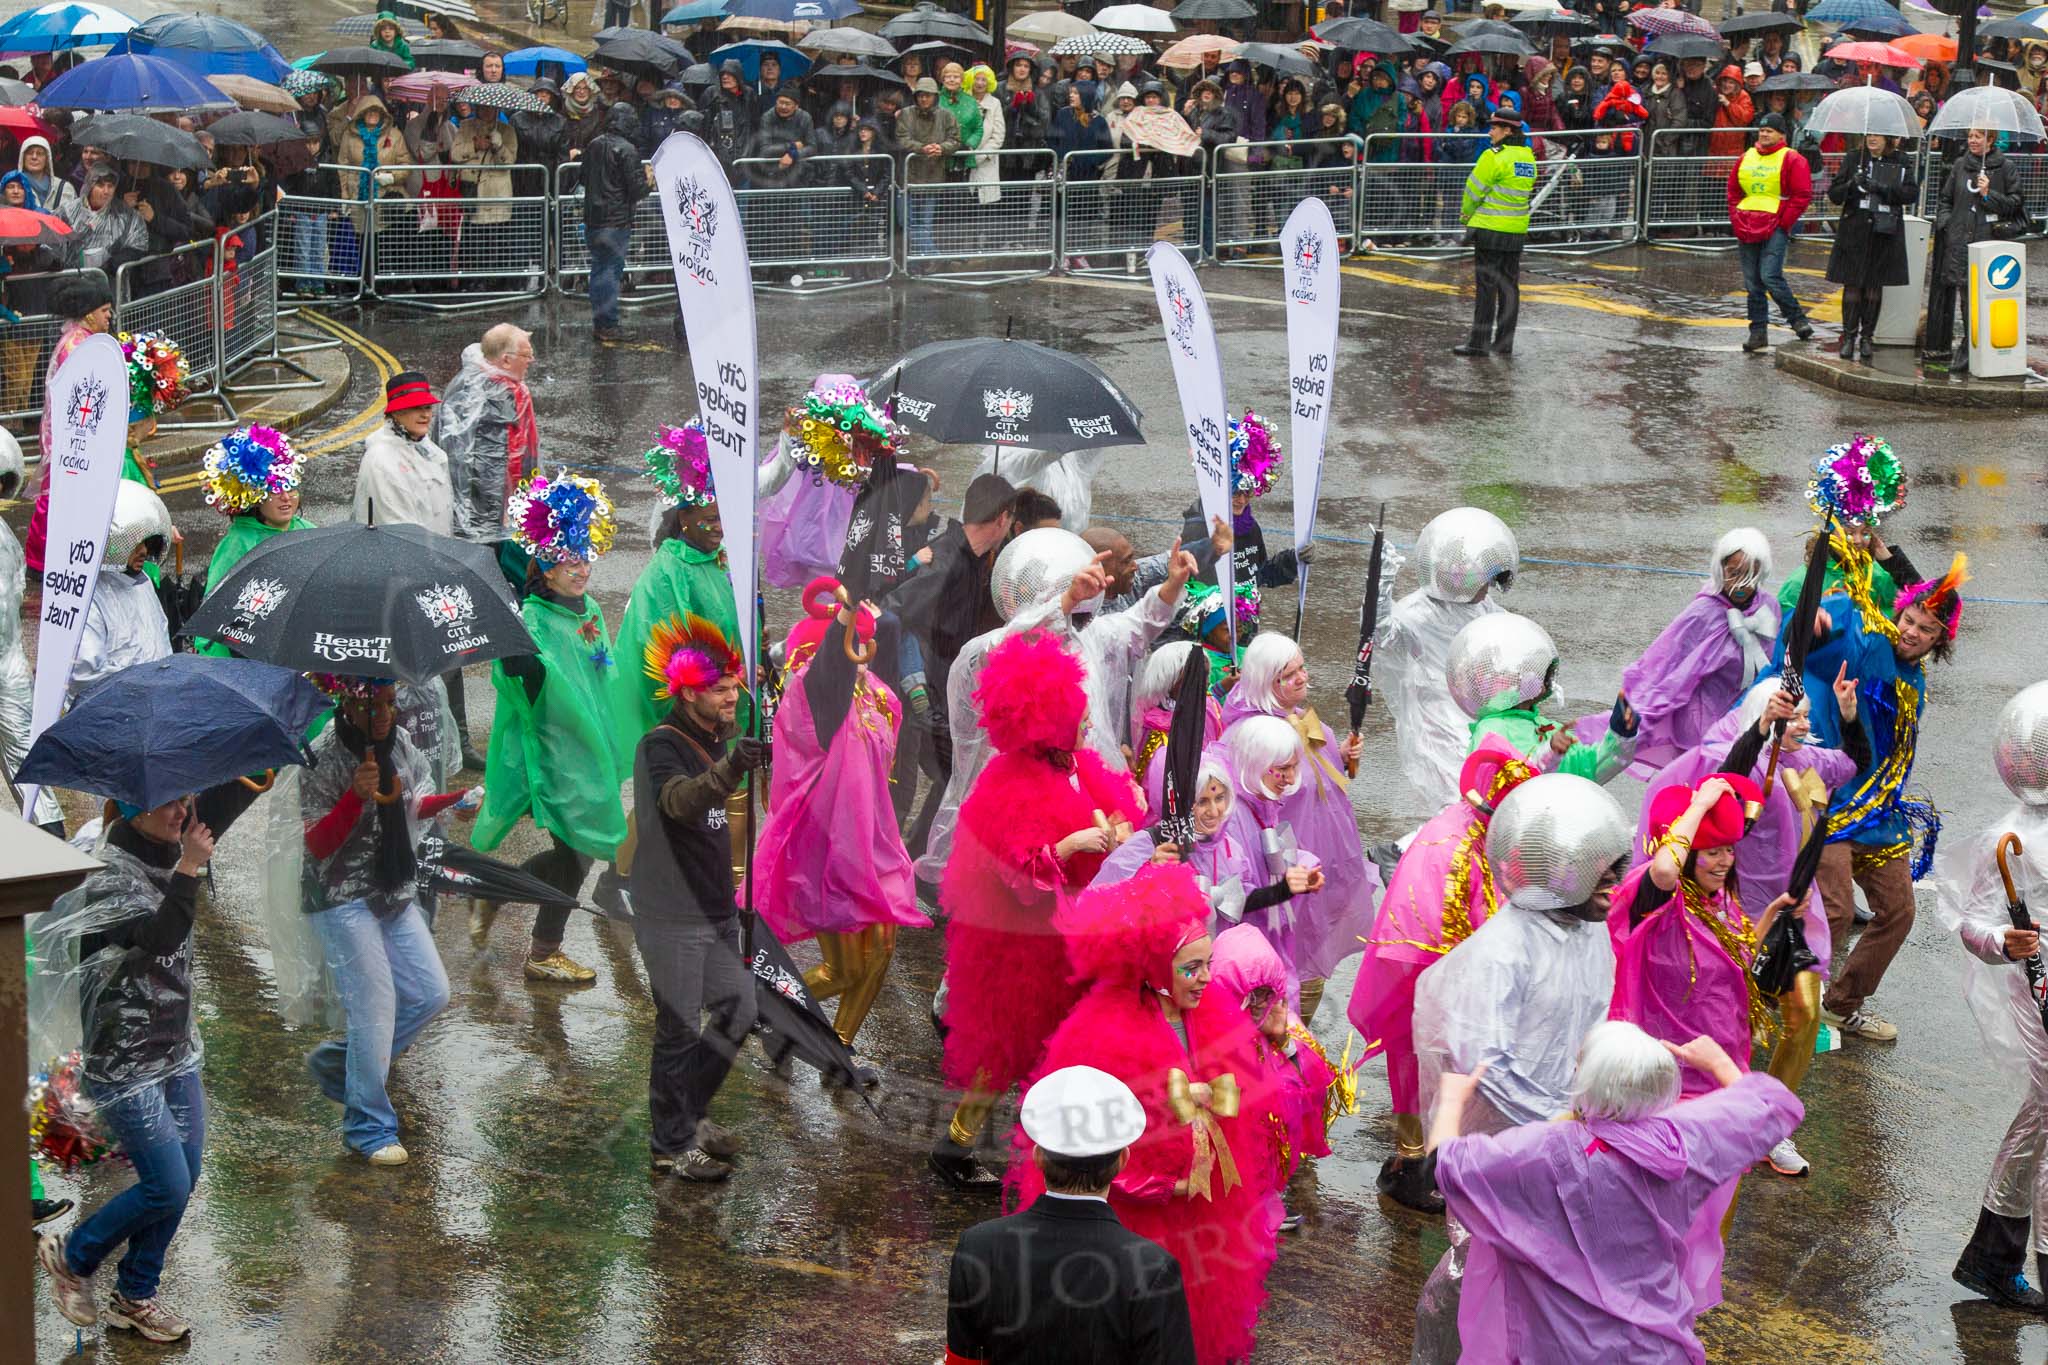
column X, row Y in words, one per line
column 1662, row 21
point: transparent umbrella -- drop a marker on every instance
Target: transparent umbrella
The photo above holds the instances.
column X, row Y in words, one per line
column 1864, row 109
column 1990, row 107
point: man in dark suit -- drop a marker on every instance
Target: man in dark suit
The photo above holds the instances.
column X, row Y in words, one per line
column 1064, row 1281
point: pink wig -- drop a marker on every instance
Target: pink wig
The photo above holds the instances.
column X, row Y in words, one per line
column 1128, row 931
column 1942, row 598
column 1030, row 695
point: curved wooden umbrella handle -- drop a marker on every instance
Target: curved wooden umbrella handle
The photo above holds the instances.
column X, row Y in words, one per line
column 262, row 784
column 2008, row 844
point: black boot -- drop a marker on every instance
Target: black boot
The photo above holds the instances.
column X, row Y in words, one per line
column 1992, row 1263
column 1846, row 348
column 1469, row 348
column 1803, row 328
column 1408, row 1182
column 1759, row 338
column 959, row 1167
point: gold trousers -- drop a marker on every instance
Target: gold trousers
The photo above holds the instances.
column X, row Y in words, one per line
column 853, row 969
column 1311, row 996
column 972, row 1115
column 1408, row 1141
column 1792, row 1058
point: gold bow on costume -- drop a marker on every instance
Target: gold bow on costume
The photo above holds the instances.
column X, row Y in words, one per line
column 1212, row 1151
column 1808, row 792
column 1309, row 726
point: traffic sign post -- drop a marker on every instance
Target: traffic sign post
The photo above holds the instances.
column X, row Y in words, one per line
column 1998, row 310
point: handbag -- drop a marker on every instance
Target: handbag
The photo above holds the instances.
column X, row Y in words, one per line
column 1782, row 955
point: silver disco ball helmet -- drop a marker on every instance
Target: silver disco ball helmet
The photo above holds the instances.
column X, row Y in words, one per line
column 2020, row 745
column 1036, row 567
column 1552, row 839
column 1500, row 660
column 1463, row 552
column 138, row 514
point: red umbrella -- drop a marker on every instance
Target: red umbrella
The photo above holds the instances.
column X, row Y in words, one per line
column 21, row 123
column 1878, row 54
column 27, row 227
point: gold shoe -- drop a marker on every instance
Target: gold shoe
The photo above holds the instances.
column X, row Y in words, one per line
column 559, row 966
column 482, row 915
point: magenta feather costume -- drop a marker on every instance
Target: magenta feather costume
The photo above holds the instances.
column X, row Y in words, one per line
column 1241, row 962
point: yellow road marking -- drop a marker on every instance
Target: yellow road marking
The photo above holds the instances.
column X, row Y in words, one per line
column 1588, row 297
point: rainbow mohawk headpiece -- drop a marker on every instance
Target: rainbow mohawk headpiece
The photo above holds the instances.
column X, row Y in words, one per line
column 249, row 465
column 1859, row 481
column 1943, row 597
column 561, row 520
column 687, row 654
column 679, row 462
column 157, row 373
column 1254, row 454
column 840, row 433
column 340, row 685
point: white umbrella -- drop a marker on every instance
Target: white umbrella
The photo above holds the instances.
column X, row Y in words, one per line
column 1102, row 45
column 1862, row 109
column 1134, row 19
column 1049, row 26
column 1988, row 106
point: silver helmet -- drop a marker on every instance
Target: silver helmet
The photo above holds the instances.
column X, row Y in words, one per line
column 1036, row 568
column 1552, row 839
column 2020, row 748
column 138, row 514
column 10, row 458
column 1500, row 660
column 1465, row 551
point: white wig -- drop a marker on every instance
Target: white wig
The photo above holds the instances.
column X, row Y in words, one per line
column 1624, row 1074
column 1265, row 659
column 1159, row 675
column 1748, row 542
column 1213, row 770
column 1750, row 709
column 1256, row 743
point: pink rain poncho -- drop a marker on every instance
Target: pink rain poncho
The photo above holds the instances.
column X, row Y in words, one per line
column 1579, row 1229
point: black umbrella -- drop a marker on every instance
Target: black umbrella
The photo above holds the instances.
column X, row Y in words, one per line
column 1352, row 34
column 931, row 49
column 1608, row 43
column 2013, row 30
column 1799, row 634
column 253, row 128
column 360, row 61
column 788, row 1020
column 1493, row 44
column 1287, row 61
column 1480, row 28
column 1184, row 739
column 445, row 54
column 464, row 872
column 1795, row 82
column 1760, row 23
column 134, row 137
column 1686, row 46
column 638, row 53
column 1784, row 953
column 174, row 726
column 699, row 73
column 1548, row 24
column 998, row 391
column 673, row 46
column 366, row 601
column 852, row 71
column 365, row 26
column 1359, row 692
column 927, row 20
column 1189, row 11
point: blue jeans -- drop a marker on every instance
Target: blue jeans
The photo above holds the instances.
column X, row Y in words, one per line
column 1763, row 272
column 309, row 248
column 608, row 248
column 162, row 1128
column 391, row 985
column 921, row 211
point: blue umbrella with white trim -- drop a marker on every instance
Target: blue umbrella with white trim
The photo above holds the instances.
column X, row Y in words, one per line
column 49, row 28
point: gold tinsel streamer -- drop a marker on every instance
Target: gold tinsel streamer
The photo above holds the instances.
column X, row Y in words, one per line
column 1739, row 942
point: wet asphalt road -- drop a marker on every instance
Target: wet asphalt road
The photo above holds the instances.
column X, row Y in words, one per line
column 1622, row 440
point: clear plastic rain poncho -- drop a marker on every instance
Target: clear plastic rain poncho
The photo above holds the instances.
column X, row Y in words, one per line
column 1432, row 733
column 17, row 682
column 485, row 421
column 111, row 981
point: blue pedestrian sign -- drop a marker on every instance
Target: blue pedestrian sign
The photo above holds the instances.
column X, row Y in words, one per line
column 2004, row 272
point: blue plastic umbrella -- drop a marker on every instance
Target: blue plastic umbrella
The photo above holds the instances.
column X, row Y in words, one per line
column 131, row 81
column 695, row 12
column 206, row 45
column 527, row 61
column 793, row 11
column 750, row 52
column 50, row 27
column 1847, row 11
column 178, row 725
column 1891, row 25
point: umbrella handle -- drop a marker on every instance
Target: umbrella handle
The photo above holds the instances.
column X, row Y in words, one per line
column 2008, row 843
column 178, row 559
column 264, row 784
column 384, row 798
column 855, row 652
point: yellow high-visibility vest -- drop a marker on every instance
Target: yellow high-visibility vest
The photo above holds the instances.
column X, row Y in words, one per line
column 1759, row 179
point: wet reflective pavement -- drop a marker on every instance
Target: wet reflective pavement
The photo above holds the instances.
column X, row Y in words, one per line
column 1624, row 437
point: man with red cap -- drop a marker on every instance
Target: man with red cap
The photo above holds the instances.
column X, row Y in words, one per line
column 404, row 476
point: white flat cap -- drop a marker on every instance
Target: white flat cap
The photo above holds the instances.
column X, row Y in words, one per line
column 1080, row 1111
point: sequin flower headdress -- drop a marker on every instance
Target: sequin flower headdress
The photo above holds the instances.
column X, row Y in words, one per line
column 249, row 465
column 157, row 374
column 1254, row 455
column 1859, row 481
column 561, row 520
column 841, row 434
column 679, row 462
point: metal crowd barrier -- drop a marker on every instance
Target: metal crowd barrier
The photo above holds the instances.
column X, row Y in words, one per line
column 1410, row 202
column 833, row 226
column 649, row 277
column 1111, row 221
column 1590, row 192
column 2031, row 167
column 174, row 294
column 322, row 241
column 1686, row 195
column 457, row 253
column 25, row 345
column 1254, row 192
column 969, row 231
column 245, row 302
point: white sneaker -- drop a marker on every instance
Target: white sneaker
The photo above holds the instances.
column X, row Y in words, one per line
column 1786, row 1160
column 1864, row 1023
column 389, row 1155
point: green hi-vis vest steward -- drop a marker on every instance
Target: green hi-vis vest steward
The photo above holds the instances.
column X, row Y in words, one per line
column 1759, row 178
column 1498, row 190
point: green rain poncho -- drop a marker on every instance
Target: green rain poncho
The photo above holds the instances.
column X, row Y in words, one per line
column 245, row 532
column 1525, row 728
column 678, row 579
column 1884, row 589
column 557, row 757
